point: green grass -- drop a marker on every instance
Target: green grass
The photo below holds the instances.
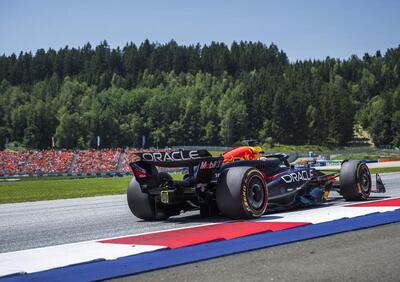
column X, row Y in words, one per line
column 385, row 169
column 364, row 156
column 216, row 153
column 51, row 189
column 29, row 189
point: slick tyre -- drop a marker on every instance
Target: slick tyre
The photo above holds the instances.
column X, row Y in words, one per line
column 141, row 205
column 242, row 193
column 355, row 181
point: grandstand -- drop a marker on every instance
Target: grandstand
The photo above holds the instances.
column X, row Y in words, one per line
column 40, row 162
column 67, row 162
column 94, row 161
column 13, row 162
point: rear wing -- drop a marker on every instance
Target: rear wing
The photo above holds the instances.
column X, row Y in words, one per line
column 206, row 163
column 181, row 158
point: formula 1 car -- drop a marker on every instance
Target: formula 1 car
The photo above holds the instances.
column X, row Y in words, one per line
column 242, row 183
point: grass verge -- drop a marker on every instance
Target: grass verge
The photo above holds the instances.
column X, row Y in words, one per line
column 364, row 156
column 385, row 169
column 39, row 189
column 51, row 189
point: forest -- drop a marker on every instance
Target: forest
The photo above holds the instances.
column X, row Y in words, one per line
column 211, row 94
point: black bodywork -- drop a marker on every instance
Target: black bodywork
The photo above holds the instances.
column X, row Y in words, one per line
column 288, row 186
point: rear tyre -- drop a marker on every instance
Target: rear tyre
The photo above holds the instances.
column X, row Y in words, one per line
column 355, row 181
column 242, row 193
column 142, row 205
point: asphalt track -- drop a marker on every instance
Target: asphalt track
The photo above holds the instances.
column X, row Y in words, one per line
column 46, row 223
column 374, row 257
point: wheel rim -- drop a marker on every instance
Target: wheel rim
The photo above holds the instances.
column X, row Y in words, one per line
column 256, row 193
column 364, row 180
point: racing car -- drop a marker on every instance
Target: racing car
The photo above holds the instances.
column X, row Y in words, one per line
column 243, row 183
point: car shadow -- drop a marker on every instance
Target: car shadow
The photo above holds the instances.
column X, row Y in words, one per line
column 370, row 198
column 196, row 218
column 329, row 203
column 213, row 219
column 374, row 198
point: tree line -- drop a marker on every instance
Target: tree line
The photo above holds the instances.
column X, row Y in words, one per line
column 195, row 95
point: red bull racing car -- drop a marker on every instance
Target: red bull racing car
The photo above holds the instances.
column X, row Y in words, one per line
column 242, row 183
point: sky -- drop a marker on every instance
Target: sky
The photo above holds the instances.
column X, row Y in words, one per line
column 303, row 29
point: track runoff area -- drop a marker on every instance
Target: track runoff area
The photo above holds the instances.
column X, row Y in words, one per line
column 136, row 253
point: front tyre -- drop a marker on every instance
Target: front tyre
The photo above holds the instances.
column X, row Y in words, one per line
column 242, row 193
column 355, row 181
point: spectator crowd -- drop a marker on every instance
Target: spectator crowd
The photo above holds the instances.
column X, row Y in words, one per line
column 12, row 162
column 93, row 161
column 67, row 161
column 48, row 162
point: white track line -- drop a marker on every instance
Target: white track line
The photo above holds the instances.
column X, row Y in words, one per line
column 326, row 214
column 40, row 259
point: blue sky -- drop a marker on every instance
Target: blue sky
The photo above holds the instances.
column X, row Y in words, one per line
column 303, row 29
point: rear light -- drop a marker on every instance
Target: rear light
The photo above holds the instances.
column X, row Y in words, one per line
column 138, row 171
